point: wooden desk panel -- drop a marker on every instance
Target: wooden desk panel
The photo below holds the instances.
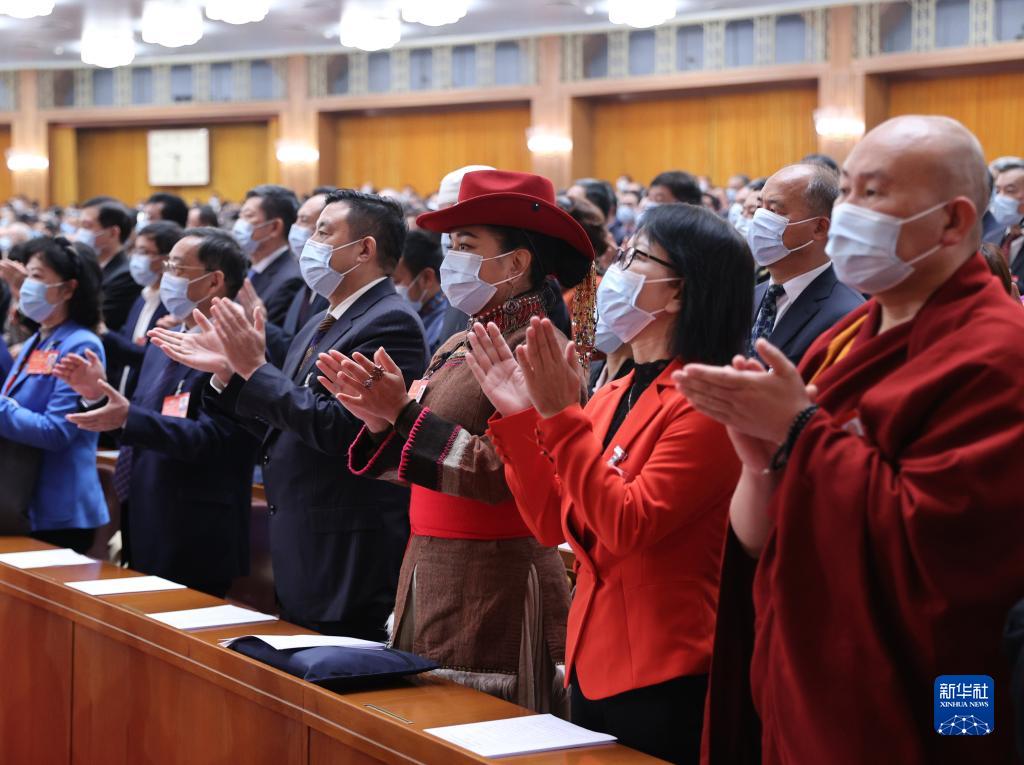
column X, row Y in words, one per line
column 35, row 724
column 145, row 692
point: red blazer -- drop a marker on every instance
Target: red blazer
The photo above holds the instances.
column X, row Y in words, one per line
column 646, row 518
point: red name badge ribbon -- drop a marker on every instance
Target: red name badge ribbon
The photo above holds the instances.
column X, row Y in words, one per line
column 42, row 362
column 176, row 405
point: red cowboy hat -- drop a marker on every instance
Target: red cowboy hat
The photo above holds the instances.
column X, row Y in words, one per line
column 518, row 200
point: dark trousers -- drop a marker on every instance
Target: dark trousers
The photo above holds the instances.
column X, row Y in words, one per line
column 78, row 540
column 662, row 720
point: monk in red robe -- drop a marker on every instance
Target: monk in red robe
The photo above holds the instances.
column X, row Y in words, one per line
column 880, row 492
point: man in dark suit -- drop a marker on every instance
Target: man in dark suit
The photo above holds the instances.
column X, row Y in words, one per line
column 186, row 472
column 1010, row 187
column 802, row 298
column 306, row 303
column 105, row 225
column 262, row 231
column 336, row 539
column 126, row 347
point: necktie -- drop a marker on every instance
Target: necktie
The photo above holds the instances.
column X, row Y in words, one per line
column 123, row 467
column 321, row 330
column 765, row 322
column 1008, row 240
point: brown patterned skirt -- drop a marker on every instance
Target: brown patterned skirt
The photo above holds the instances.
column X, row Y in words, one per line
column 492, row 613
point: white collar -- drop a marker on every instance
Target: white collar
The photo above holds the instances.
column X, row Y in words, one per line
column 338, row 311
column 264, row 264
column 795, row 286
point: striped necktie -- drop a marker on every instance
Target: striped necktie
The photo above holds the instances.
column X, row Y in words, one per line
column 321, row 330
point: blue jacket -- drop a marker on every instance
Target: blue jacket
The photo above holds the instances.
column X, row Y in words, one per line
column 122, row 353
column 68, row 494
column 191, row 482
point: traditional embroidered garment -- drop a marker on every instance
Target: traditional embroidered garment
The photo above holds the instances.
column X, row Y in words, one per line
column 477, row 593
column 896, row 551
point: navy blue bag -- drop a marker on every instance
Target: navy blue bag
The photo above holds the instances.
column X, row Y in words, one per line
column 335, row 667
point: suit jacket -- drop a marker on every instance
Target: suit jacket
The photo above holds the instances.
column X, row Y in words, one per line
column 646, row 517
column 277, row 285
column 6, row 362
column 336, row 539
column 825, row 301
column 280, row 336
column 119, row 291
column 68, row 494
column 191, row 482
column 122, row 353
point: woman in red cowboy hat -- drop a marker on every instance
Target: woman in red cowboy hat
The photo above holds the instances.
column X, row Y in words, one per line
column 477, row 593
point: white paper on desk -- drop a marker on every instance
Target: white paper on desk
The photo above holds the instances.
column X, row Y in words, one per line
column 286, row 642
column 108, row 453
column 125, row 584
column 212, row 616
column 519, row 735
column 44, row 558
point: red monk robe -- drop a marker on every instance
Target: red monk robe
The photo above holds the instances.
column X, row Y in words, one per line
column 898, row 546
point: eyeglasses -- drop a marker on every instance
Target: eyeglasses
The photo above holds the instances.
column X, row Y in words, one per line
column 175, row 269
column 625, row 255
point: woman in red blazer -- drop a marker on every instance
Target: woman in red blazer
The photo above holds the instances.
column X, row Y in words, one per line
column 638, row 482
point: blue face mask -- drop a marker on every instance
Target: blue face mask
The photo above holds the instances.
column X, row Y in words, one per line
column 33, row 302
column 243, row 231
column 174, row 295
column 5, row 243
column 139, row 267
column 625, row 215
column 297, row 237
column 86, row 237
column 315, row 265
column 1006, row 210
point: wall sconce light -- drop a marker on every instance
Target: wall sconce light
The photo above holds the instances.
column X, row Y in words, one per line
column 19, row 162
column 297, row 154
column 838, row 124
column 547, row 143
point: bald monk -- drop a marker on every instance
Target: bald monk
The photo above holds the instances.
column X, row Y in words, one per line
column 880, row 489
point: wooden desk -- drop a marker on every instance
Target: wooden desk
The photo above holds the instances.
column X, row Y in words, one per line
column 90, row 680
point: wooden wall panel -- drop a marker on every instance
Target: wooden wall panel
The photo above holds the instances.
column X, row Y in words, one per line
column 113, row 161
column 714, row 134
column 990, row 105
column 5, row 174
column 36, row 648
column 419, row 148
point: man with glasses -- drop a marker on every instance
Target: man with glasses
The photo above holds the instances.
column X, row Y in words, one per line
column 126, row 347
column 184, row 472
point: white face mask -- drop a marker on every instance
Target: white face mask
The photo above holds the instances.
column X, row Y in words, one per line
column 735, row 213
column 403, row 291
column 1006, row 210
column 743, row 225
column 617, row 313
column 862, row 246
column 461, row 282
column 297, row 236
column 765, row 236
column 315, row 265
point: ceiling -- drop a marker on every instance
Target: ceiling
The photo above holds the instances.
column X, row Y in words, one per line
column 311, row 26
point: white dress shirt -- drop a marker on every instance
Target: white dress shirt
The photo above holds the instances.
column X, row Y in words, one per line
column 264, row 264
column 794, row 287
